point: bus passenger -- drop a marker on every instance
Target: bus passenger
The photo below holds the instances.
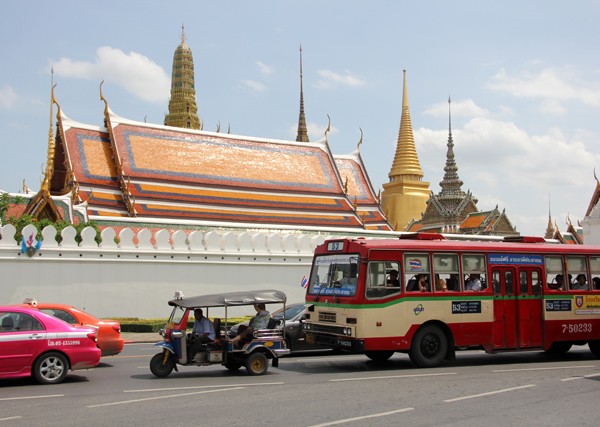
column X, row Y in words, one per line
column 393, row 279
column 423, row 283
column 440, row 284
column 580, row 283
column 474, row 284
column 558, row 284
column 596, row 282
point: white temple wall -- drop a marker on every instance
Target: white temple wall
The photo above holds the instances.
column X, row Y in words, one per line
column 137, row 279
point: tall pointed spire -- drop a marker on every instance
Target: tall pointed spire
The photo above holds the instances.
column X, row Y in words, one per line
column 550, row 228
column 451, row 184
column 183, row 111
column 406, row 162
column 405, row 196
column 51, row 143
column 302, row 132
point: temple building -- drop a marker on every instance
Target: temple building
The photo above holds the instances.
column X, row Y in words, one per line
column 455, row 211
column 405, row 196
column 179, row 176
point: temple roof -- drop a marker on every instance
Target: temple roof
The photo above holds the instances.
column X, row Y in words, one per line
column 139, row 169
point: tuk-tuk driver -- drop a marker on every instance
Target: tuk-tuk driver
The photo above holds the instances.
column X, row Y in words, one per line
column 203, row 327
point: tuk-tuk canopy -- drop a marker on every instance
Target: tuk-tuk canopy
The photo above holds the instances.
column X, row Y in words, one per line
column 228, row 299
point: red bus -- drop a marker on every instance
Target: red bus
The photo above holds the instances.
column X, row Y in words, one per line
column 427, row 296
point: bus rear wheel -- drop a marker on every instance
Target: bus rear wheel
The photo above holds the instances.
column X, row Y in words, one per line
column 558, row 348
column 379, row 356
column 595, row 347
column 429, row 347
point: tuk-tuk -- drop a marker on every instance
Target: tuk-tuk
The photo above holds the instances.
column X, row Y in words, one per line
column 254, row 355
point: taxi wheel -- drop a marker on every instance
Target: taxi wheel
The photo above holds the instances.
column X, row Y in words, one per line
column 429, row 347
column 51, row 368
column 257, row 364
column 159, row 366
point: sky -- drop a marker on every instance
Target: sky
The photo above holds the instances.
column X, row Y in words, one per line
column 523, row 77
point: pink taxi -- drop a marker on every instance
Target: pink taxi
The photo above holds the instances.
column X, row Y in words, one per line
column 37, row 344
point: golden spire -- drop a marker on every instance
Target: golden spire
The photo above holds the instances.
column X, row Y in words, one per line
column 183, row 110
column 406, row 162
column 550, row 228
column 51, row 144
column 302, row 132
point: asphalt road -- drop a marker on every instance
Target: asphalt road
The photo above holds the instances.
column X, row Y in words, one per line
column 317, row 390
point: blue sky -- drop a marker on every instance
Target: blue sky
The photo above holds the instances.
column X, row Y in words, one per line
column 524, row 78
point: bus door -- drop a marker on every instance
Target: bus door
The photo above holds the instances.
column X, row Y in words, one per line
column 505, row 328
column 529, row 307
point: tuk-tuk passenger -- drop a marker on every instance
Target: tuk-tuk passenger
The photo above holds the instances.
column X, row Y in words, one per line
column 260, row 321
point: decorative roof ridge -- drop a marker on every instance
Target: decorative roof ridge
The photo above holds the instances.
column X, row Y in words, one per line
column 117, row 120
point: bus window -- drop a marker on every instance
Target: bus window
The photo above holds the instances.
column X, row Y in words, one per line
column 523, row 283
column 508, row 280
column 536, row 285
column 496, row 282
column 417, row 273
column 554, row 273
column 334, row 275
column 595, row 270
column 447, row 274
column 382, row 279
column 474, row 272
column 577, row 269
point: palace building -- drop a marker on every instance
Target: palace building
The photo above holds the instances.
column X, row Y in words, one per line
column 179, row 176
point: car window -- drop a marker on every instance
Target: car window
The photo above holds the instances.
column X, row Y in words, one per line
column 290, row 311
column 28, row 323
column 63, row 315
column 7, row 322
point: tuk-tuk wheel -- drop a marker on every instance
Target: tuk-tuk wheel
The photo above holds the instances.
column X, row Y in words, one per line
column 233, row 365
column 257, row 364
column 161, row 367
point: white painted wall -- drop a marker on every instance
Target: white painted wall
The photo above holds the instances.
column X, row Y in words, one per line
column 137, row 280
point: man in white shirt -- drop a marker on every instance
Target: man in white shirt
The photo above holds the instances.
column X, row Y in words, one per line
column 474, row 284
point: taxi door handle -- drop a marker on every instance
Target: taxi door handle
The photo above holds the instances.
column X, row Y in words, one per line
column 35, row 336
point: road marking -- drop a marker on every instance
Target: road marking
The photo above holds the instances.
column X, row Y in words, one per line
column 10, row 418
column 473, row 396
column 123, row 402
column 393, row 376
column 31, row 397
column 544, row 369
column 199, row 386
column 348, row 420
column 580, row 378
column 130, row 357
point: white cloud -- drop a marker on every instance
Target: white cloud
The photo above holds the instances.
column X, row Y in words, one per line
column 552, row 106
column 330, row 79
column 254, row 85
column 8, row 97
column 264, row 68
column 134, row 72
column 464, row 108
column 549, row 84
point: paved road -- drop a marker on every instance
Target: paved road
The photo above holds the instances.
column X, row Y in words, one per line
column 317, row 390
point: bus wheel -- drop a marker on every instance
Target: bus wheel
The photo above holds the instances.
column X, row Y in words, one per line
column 379, row 356
column 160, row 366
column 257, row 364
column 595, row 347
column 558, row 348
column 429, row 347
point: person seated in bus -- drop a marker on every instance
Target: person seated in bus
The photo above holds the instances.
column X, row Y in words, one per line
column 474, row 283
column 580, row 283
column 558, row 284
column 392, row 280
column 423, row 283
column 596, row 282
column 440, row 284
column 453, row 282
column 260, row 321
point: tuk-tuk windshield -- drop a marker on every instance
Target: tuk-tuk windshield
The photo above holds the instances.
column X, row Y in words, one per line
column 177, row 315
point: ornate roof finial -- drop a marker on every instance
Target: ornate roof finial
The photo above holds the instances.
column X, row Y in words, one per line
column 361, row 140
column 182, row 33
column 51, row 145
column 302, row 135
column 328, row 125
column 451, row 183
